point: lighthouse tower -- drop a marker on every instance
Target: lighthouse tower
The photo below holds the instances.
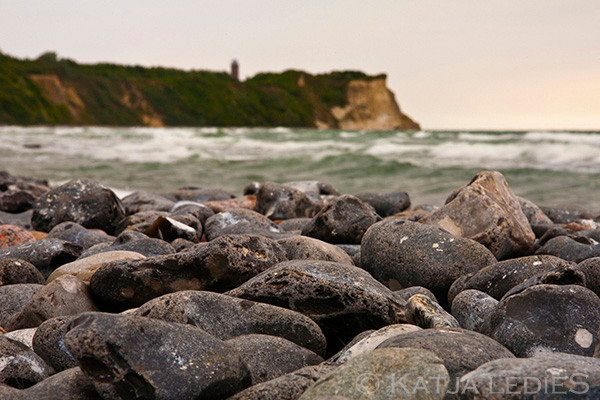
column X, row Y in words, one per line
column 235, row 70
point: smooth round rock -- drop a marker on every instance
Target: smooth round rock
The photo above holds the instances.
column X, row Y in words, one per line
column 591, row 269
column 238, row 221
column 342, row 299
column 226, row 317
column 402, row 254
column 344, row 220
column 570, row 249
column 276, row 201
column 268, row 357
column 75, row 233
column 45, row 254
column 20, row 367
column 294, row 225
column 426, row 313
column 386, row 204
column 409, row 292
column 48, row 342
column 83, row 201
column 84, row 268
column 145, row 201
column 306, row 248
column 14, row 297
column 472, row 307
column 13, row 271
column 11, row 235
column 148, row 358
column 375, row 375
column 144, row 245
column 547, row 318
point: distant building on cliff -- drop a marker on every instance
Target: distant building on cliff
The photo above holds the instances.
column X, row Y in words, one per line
column 235, row 70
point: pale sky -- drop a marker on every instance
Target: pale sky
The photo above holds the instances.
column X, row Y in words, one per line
column 453, row 64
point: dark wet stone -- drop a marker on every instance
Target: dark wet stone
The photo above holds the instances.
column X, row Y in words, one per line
column 83, row 201
column 591, row 269
column 344, row 219
column 486, row 210
column 198, row 194
column 569, row 275
column 268, row 357
column 140, row 221
column 460, row 350
column 66, row 295
column 427, row 313
column 14, row 270
column 286, row 387
column 472, row 307
column 140, row 357
column 239, row 221
column 14, row 297
column 547, row 318
column 45, row 254
column 407, row 293
column 182, row 244
column 533, row 213
column 20, row 367
column 370, row 376
column 277, row 201
column 566, row 214
column 146, row 201
column 71, row 384
column 402, row 254
column 306, row 248
column 499, row 278
column 551, row 376
column 75, row 233
column 15, row 200
column 570, row 249
column 386, row 204
column 226, row 317
column 219, row 265
column 342, row 299
column 146, row 246
column 11, row 235
column 169, row 229
column 293, row 225
column 350, row 249
column 48, row 342
column 22, row 220
column 17, row 194
column 192, row 208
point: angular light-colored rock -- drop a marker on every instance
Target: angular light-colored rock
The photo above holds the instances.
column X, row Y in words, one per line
column 487, row 211
column 84, row 268
column 426, row 313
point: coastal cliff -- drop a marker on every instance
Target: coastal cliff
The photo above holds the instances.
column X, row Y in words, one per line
column 53, row 91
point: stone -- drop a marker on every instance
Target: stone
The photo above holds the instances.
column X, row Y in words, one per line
column 24, row 336
column 248, row 202
column 268, row 357
column 460, row 350
column 145, row 201
column 48, row 342
column 46, row 254
column 15, row 200
column 66, row 295
column 14, row 297
column 198, row 194
column 426, row 313
column 566, row 214
column 472, row 307
column 487, row 211
column 547, row 318
column 550, row 376
column 169, row 229
column 71, row 384
column 140, row 221
column 11, row 235
column 294, row 225
column 345, row 219
column 402, row 254
column 13, row 271
column 20, row 367
column 226, row 317
column 22, row 220
column 373, row 376
column 145, row 246
column 370, row 341
column 570, row 275
column 286, row 387
column 533, row 213
column 239, row 221
column 140, row 357
column 591, row 269
column 342, row 299
column 17, row 194
column 277, row 201
column 306, row 248
column 407, row 293
column 499, row 278
column 219, row 265
column 83, row 201
column 84, row 268
column 314, row 188
column 351, row 249
column 75, row 233
column 570, row 249
column 386, row 204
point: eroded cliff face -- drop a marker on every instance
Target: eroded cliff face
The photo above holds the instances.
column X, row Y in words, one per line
column 371, row 106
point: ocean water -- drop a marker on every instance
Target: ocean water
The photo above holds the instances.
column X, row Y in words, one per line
column 549, row 168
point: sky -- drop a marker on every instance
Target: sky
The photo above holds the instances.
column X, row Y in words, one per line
column 452, row 64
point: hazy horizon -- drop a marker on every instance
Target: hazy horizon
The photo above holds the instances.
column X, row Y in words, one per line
column 468, row 65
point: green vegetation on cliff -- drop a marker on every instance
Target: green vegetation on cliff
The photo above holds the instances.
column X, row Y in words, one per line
column 49, row 90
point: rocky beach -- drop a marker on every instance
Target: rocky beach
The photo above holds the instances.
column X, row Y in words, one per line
column 295, row 291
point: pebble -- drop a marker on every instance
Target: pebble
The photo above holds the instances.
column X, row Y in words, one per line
column 11, row 235
column 13, row 271
column 276, row 201
column 46, row 254
column 84, row 268
column 20, row 367
column 386, row 204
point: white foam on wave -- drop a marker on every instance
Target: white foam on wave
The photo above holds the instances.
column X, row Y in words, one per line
column 563, row 137
column 486, row 137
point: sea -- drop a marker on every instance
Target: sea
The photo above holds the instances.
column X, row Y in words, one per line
column 546, row 167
